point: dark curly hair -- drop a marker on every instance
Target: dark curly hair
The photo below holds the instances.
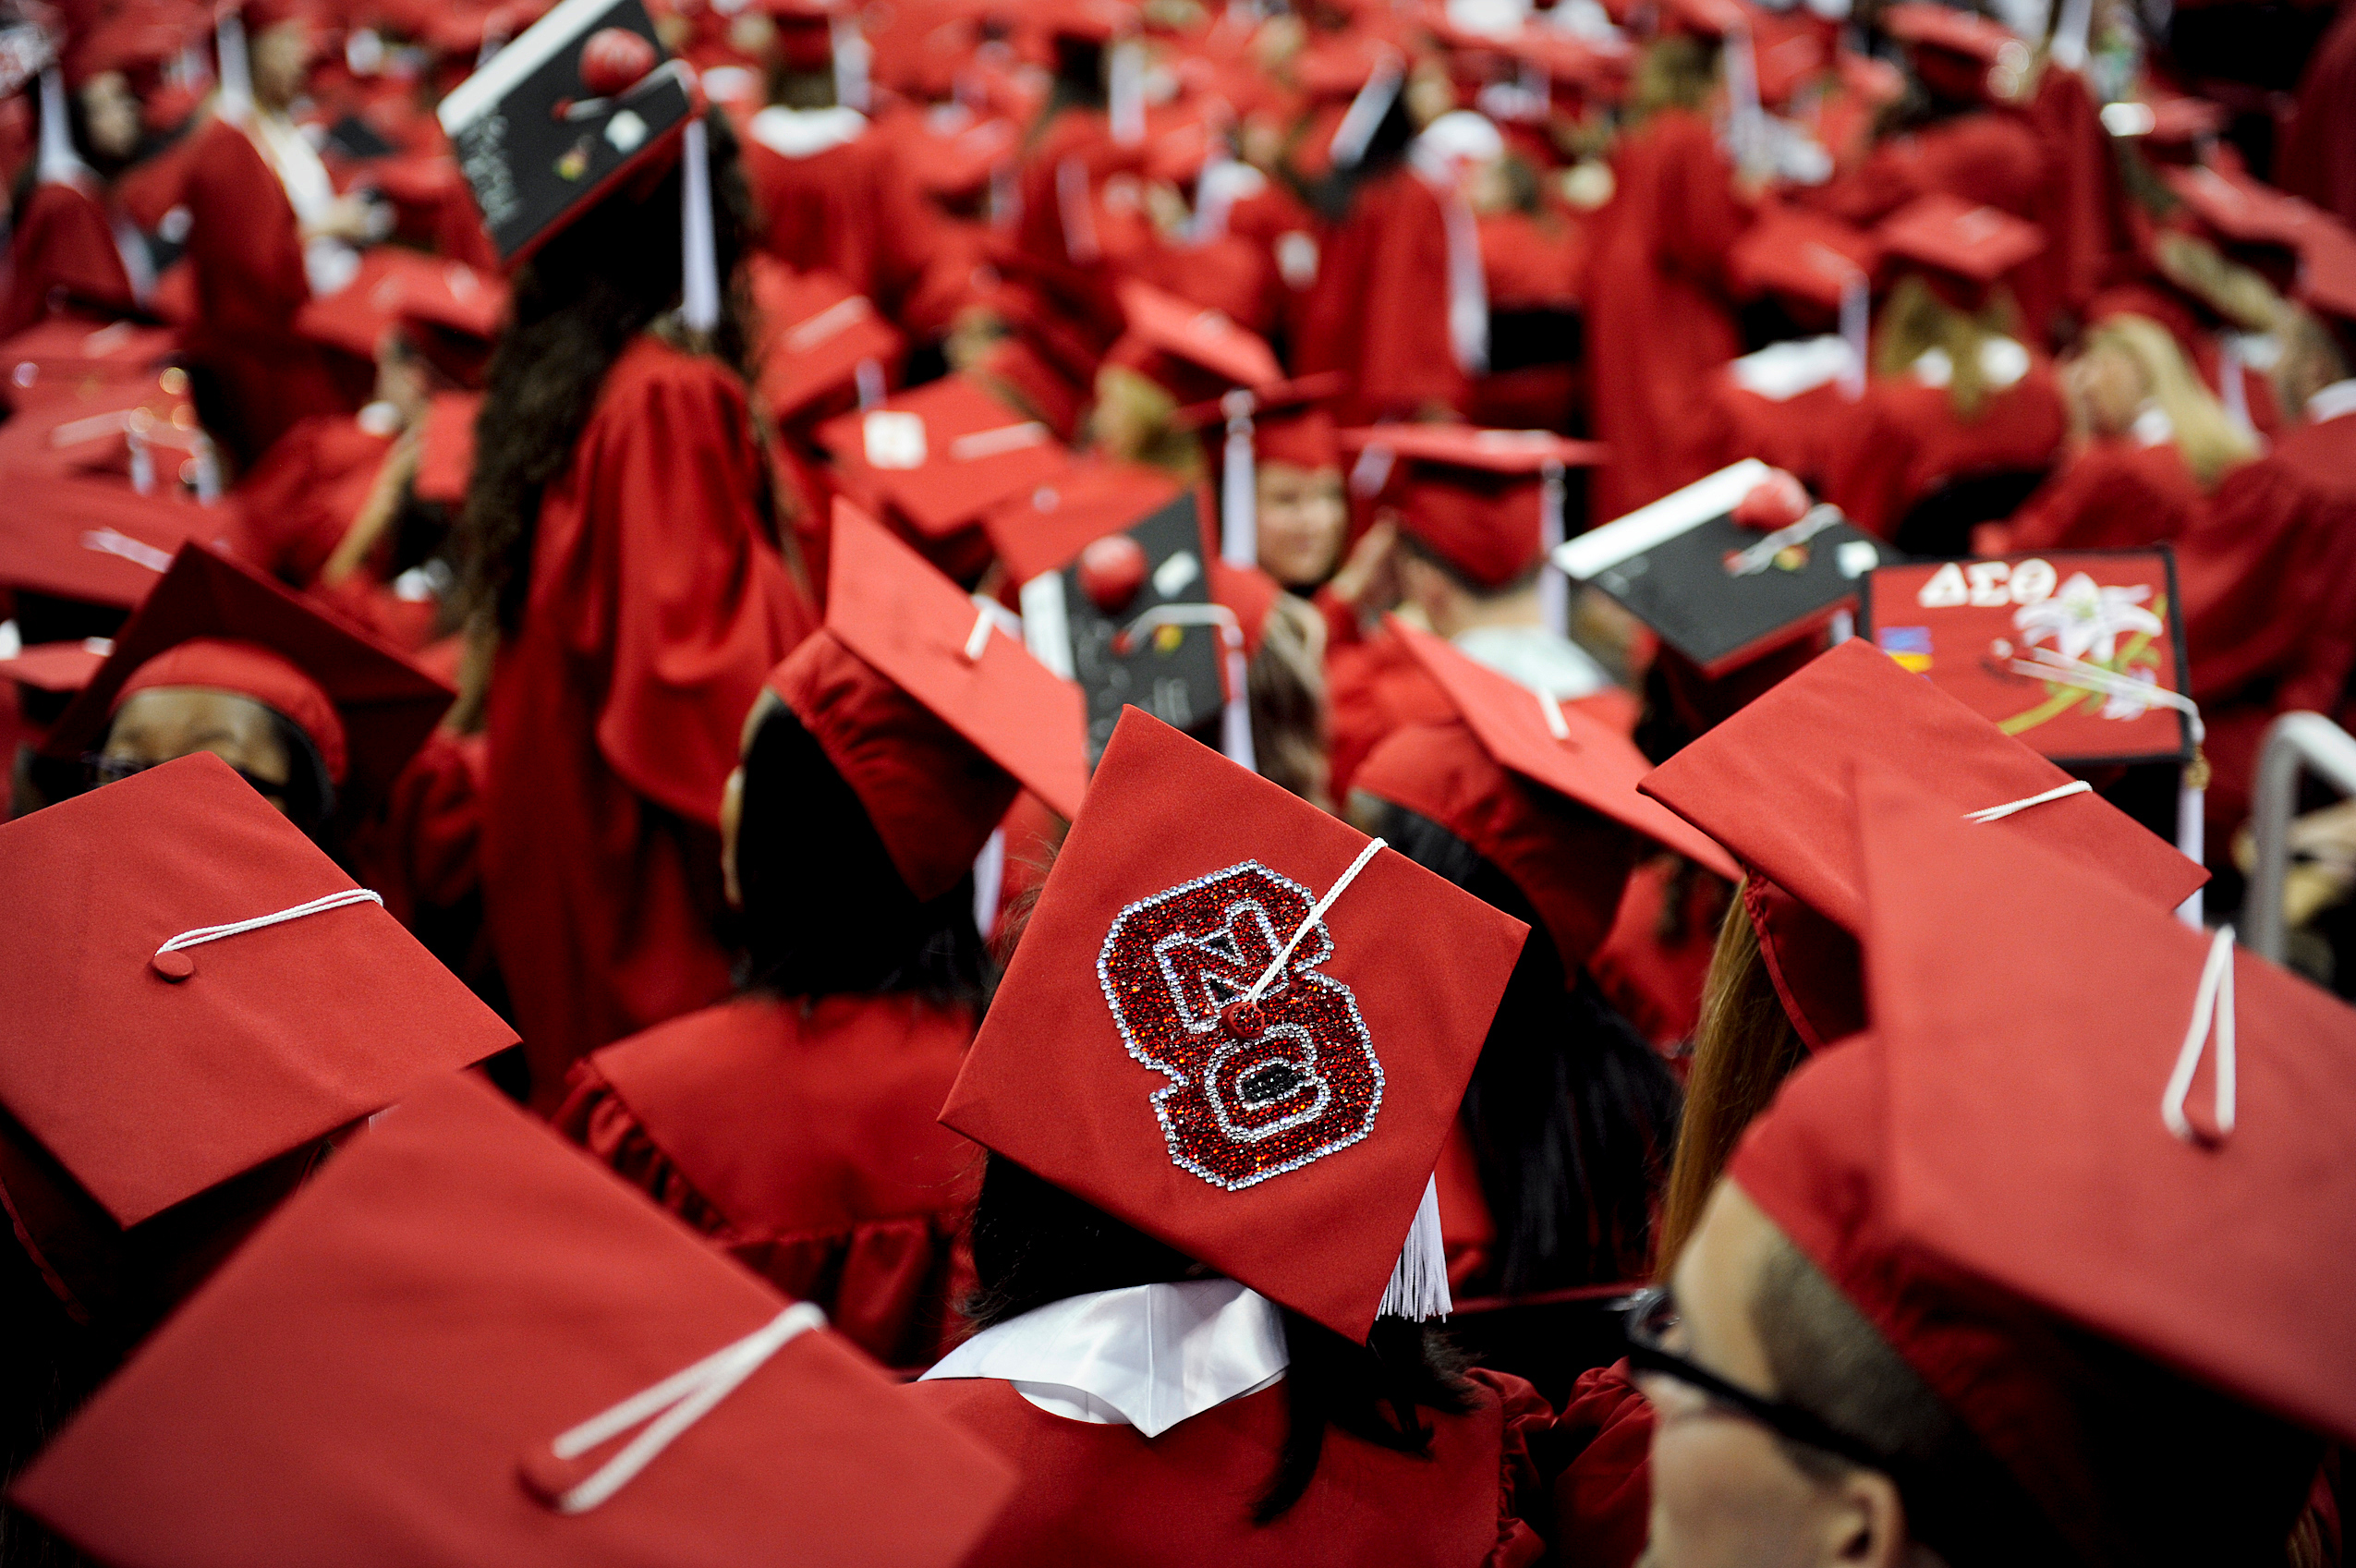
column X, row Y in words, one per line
column 578, row 304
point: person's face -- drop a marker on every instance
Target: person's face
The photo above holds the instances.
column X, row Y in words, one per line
column 1725, row 1494
column 2105, row 387
column 280, row 59
column 165, row 722
column 401, row 378
column 1301, row 518
column 110, row 115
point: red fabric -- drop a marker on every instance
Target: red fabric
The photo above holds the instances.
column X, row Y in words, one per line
column 1374, row 687
column 798, row 1135
column 2083, row 206
column 424, row 851
column 1906, row 439
column 1989, row 157
column 248, row 670
column 932, row 797
column 1379, row 311
column 1603, row 1493
column 63, row 243
column 2269, row 578
column 1467, row 1230
column 2319, row 153
column 1659, row 321
column 247, row 257
column 1570, row 861
column 1093, row 1493
column 657, row 606
column 854, row 211
column 1655, row 983
column 290, row 513
column 2113, row 495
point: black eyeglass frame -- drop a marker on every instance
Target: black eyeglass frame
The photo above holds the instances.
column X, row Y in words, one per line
column 1646, row 1355
column 99, row 769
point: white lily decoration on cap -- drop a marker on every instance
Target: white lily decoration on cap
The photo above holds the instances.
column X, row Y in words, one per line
column 2083, row 618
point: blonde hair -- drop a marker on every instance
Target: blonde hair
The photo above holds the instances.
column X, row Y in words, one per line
column 1672, row 72
column 2234, row 291
column 1743, row 1049
column 2209, row 439
column 1915, row 321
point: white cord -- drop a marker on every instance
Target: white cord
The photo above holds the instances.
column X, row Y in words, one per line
column 2212, row 1004
column 1555, row 723
column 203, row 934
column 978, row 639
column 1316, row 914
column 671, row 1406
column 2046, row 664
column 1997, row 813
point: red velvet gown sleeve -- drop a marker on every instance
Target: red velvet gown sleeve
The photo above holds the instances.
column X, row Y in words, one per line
column 2113, row 495
column 1104, row 1494
column 1602, row 1443
column 1909, row 439
column 64, row 250
column 1379, row 311
column 1660, row 323
column 657, row 604
column 801, row 1137
column 246, row 252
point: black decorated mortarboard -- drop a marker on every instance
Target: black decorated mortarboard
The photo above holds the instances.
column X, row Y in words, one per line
column 554, row 119
column 1718, row 591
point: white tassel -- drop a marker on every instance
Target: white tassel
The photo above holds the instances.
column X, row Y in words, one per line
column 700, row 268
column 236, row 76
column 1746, row 122
column 2191, row 836
column 1235, row 719
column 1855, row 318
column 851, row 54
column 1419, row 1288
column 990, row 880
column 1124, row 95
column 2069, row 47
column 1365, row 113
column 1238, row 534
column 1554, row 589
column 59, row 165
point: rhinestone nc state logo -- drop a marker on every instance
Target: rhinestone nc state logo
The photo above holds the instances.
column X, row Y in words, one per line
column 1256, row 1089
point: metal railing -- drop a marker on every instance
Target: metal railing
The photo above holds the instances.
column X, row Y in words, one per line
column 2295, row 744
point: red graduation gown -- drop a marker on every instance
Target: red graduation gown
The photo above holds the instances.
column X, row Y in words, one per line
column 1602, row 1439
column 2317, row 157
column 1379, row 311
column 63, row 245
column 2113, row 495
column 657, row 605
column 1104, row 1494
column 800, row 1135
column 1660, row 322
column 1906, row 439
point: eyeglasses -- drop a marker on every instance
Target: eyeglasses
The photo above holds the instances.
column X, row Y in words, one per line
column 101, row 769
column 1652, row 1317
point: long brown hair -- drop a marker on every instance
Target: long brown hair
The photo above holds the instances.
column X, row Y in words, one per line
column 1743, row 1049
column 578, row 304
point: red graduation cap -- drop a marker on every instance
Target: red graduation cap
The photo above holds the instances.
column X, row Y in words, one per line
column 1959, row 54
column 194, row 989
column 817, row 332
column 1773, row 784
column 1801, row 255
column 67, row 350
column 930, row 712
column 1478, row 498
column 446, row 453
column 385, row 705
column 395, row 286
column 1044, row 530
column 943, row 454
column 2110, row 1122
column 383, row 1377
column 2241, row 209
column 1287, row 1140
column 1203, row 338
column 60, row 668
column 1960, row 241
column 1490, row 778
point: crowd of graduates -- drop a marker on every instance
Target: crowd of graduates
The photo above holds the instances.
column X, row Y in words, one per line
column 1067, row 781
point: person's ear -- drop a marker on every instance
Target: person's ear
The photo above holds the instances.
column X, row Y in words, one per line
column 732, row 815
column 1865, row 1522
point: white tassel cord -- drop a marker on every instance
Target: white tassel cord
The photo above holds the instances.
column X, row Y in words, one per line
column 989, row 881
column 699, row 304
column 1235, row 717
column 1418, row 1287
column 1554, row 589
column 203, row 934
column 1239, row 538
column 1999, row 813
column 2211, row 1009
column 1365, row 112
column 236, row 75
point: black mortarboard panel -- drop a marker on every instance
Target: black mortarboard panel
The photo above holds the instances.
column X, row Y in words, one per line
column 1173, row 673
column 537, row 149
column 1672, row 564
column 354, row 138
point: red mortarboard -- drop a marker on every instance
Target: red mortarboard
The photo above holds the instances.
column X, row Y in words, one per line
column 1974, row 243
column 248, row 670
column 1473, row 496
column 153, row 1076
column 1773, row 784
column 74, row 525
column 1045, row 530
column 1709, row 19
column 65, row 346
column 1926, row 24
column 2019, row 1135
column 817, row 332
column 1288, row 1150
column 446, row 458
column 380, row 1376
column 1201, row 337
column 397, row 286
column 1803, row 255
column 1487, row 776
column 943, row 454
column 56, row 668
column 387, row 705
column 930, row 713
column 2241, row 210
